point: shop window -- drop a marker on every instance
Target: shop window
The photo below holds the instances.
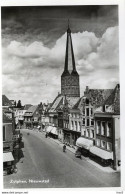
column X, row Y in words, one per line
column 4, row 131
column 87, row 122
column 103, row 144
column 87, row 111
column 9, row 163
column 108, row 129
column 103, row 128
column 98, row 142
column 109, row 146
column 92, row 122
column 83, row 121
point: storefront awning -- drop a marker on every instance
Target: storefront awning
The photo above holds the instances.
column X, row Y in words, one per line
column 101, row 153
column 48, row 129
column 54, row 131
column 84, row 143
column 7, row 157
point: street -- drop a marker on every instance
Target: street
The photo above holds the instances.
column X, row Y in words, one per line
column 45, row 165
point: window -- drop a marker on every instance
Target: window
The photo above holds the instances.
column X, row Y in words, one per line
column 98, row 142
column 87, row 101
column 87, row 122
column 79, row 126
column 103, row 128
column 92, row 122
column 78, row 116
column 87, row 132
column 76, row 125
column 83, row 111
column 109, row 146
column 108, row 129
column 91, row 133
column 72, row 126
column 98, row 127
column 4, row 133
column 91, row 111
column 87, row 111
column 103, row 144
column 83, row 121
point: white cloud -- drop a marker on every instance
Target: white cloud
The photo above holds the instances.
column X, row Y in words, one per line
column 34, row 68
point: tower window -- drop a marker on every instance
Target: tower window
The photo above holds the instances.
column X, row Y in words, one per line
column 87, row 101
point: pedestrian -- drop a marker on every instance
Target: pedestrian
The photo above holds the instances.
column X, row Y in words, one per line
column 64, row 148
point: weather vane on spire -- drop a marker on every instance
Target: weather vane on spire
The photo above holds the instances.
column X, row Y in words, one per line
column 68, row 30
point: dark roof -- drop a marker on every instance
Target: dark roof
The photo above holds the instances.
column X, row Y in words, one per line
column 98, row 96
column 114, row 99
column 6, row 101
column 31, row 110
column 27, row 106
column 95, row 96
column 60, row 100
column 6, row 119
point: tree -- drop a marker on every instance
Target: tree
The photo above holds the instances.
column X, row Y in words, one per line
column 15, row 103
column 19, row 104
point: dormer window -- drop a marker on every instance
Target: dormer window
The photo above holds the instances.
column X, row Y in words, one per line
column 105, row 108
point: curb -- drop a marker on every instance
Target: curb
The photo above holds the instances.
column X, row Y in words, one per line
column 90, row 161
column 86, row 159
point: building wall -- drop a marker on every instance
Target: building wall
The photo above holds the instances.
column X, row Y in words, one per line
column 70, row 85
column 87, row 123
column 103, row 138
column 117, row 148
column 8, row 131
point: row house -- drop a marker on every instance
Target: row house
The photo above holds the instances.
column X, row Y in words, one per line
column 32, row 117
column 8, row 130
column 19, row 115
column 68, row 128
column 107, row 131
column 52, row 117
column 86, row 105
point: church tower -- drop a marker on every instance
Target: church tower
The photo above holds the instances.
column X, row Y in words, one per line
column 70, row 77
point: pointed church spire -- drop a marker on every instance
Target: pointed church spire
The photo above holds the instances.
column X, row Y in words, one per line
column 69, row 51
column 70, row 77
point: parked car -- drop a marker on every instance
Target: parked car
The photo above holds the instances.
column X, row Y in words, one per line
column 78, row 153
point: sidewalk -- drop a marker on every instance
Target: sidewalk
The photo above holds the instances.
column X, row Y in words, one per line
column 105, row 169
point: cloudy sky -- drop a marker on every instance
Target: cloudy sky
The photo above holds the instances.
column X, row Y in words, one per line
column 33, row 49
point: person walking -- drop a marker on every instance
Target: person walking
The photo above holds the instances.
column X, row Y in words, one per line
column 64, row 148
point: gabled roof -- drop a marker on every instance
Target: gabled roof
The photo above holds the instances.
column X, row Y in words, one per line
column 27, row 106
column 59, row 102
column 6, row 101
column 114, row 99
column 55, row 103
column 31, row 110
column 98, row 96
